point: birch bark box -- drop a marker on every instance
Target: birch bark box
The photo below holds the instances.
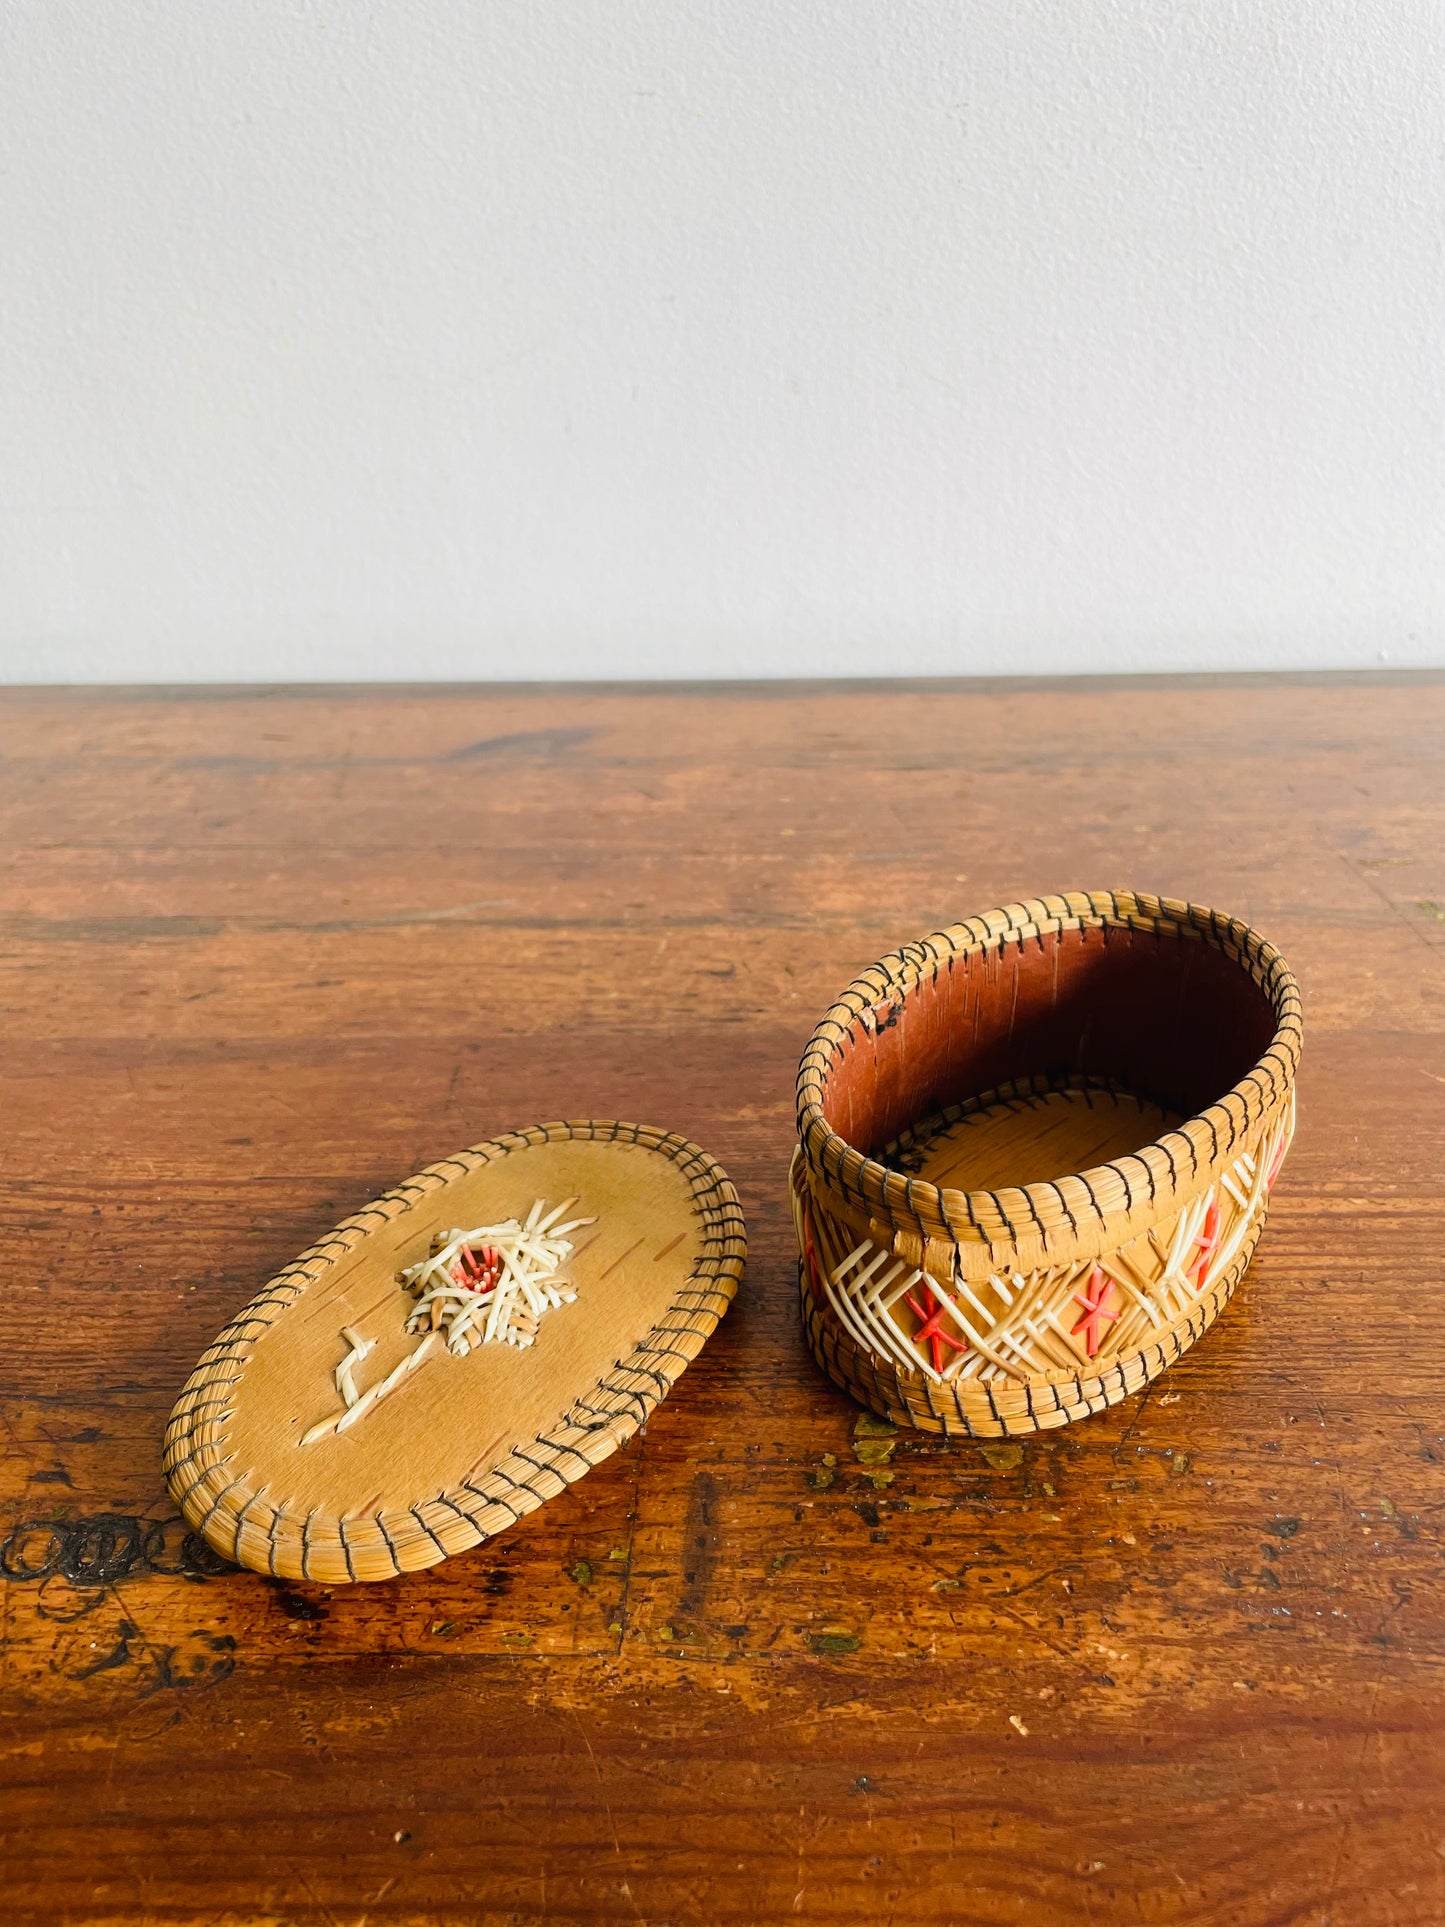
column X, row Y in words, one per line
column 1035, row 1153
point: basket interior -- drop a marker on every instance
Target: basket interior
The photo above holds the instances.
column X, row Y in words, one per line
column 1027, row 1139
column 1102, row 1037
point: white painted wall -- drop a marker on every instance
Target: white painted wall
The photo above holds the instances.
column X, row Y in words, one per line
column 497, row 338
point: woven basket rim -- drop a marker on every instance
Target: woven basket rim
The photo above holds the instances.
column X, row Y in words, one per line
column 1079, row 1214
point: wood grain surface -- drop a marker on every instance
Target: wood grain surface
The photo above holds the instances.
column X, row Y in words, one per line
column 264, row 953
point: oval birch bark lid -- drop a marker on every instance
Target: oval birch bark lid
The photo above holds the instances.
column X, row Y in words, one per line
column 453, row 1355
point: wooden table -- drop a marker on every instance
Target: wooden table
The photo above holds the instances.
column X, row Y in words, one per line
column 266, row 952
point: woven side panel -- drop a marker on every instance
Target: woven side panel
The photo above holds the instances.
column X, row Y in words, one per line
column 1025, row 1352
column 982, row 1411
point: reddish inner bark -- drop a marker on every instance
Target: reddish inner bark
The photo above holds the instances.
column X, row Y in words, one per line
column 1172, row 1021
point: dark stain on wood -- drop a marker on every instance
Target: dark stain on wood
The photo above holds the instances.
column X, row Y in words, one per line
column 700, row 1543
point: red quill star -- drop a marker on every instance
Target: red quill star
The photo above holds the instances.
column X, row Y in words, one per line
column 1207, row 1243
column 1096, row 1298
column 932, row 1328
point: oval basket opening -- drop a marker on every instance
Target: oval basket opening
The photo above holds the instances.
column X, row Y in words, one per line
column 1156, row 1025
